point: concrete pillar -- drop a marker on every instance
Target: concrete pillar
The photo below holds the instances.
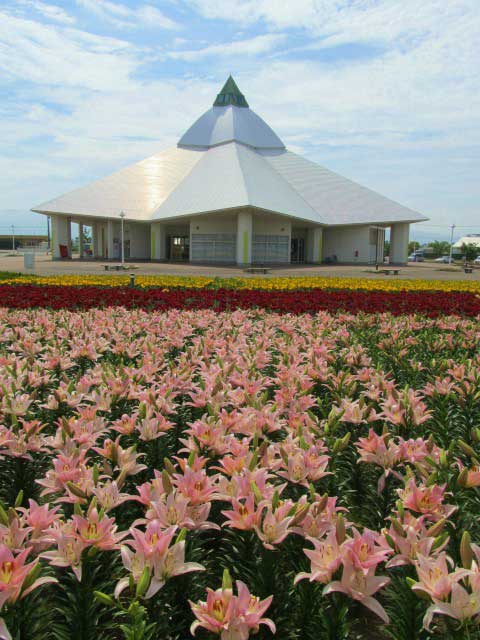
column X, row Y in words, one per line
column 244, row 238
column 69, row 237
column 80, row 239
column 95, row 253
column 158, row 241
column 110, row 234
column 399, row 234
column 60, row 235
column 315, row 245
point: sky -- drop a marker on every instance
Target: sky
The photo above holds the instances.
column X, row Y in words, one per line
column 385, row 92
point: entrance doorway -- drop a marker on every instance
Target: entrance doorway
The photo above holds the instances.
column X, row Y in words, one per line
column 179, row 248
column 297, row 250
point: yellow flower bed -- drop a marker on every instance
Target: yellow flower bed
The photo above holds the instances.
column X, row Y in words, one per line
column 268, row 284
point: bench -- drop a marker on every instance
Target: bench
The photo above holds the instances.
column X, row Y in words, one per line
column 115, row 267
column 257, row 270
column 388, row 272
column 468, row 269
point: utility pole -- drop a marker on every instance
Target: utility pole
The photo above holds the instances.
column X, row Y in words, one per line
column 13, row 237
column 452, row 227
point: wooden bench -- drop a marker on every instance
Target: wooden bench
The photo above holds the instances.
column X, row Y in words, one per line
column 388, row 272
column 257, row 270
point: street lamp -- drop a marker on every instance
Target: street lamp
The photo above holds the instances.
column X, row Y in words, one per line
column 452, row 227
column 13, row 237
column 122, row 216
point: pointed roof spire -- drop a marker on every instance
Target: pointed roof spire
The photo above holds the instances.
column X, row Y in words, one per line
column 230, row 94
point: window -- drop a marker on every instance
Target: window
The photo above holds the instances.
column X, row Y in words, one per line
column 270, row 248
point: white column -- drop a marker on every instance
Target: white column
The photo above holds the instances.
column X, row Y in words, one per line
column 399, row 242
column 80, row 239
column 95, row 240
column 316, row 245
column 60, row 234
column 244, row 238
column 110, row 233
column 69, row 237
column 158, row 244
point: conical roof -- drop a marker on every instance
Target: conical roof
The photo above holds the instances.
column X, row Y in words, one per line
column 230, row 120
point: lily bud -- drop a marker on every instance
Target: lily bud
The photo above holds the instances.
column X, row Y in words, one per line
column 167, row 484
column 340, row 529
column 275, row 499
column 439, row 540
column 143, row 583
column 466, row 448
column 168, row 466
column 73, row 488
column 436, row 528
column 322, row 503
column 104, row 598
column 462, row 478
column 253, row 461
column 300, row 514
column 398, row 528
column 191, row 459
column 466, row 552
column 226, row 579
column 19, row 499
column 256, row 492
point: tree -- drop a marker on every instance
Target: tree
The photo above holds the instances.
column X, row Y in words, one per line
column 470, row 251
column 440, row 248
column 413, row 246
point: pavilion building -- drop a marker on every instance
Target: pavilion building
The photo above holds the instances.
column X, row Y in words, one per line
column 231, row 192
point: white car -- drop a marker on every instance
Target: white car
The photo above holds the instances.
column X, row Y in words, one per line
column 477, row 260
column 444, row 259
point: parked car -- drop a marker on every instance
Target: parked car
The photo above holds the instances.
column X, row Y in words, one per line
column 416, row 257
column 444, row 259
column 477, row 260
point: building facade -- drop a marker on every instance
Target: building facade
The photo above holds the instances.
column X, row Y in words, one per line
column 230, row 192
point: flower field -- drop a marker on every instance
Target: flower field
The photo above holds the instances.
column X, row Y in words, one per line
column 235, row 474
column 284, row 295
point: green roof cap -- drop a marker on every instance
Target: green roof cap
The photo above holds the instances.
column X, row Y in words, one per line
column 230, row 94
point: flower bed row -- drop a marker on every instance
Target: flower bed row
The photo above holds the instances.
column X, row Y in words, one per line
column 376, row 283
column 430, row 303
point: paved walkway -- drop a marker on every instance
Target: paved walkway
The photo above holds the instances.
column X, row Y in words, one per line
column 422, row 270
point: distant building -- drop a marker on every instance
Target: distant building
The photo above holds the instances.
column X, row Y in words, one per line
column 22, row 241
column 471, row 239
column 230, row 192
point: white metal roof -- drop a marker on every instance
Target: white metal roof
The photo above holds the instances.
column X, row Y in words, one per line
column 473, row 239
column 220, row 125
column 230, row 158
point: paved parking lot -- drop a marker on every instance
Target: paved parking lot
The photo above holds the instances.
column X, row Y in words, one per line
column 423, row 270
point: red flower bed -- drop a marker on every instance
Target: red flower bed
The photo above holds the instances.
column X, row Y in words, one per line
column 433, row 303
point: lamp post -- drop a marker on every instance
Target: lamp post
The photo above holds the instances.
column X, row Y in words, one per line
column 13, row 237
column 122, row 216
column 452, row 227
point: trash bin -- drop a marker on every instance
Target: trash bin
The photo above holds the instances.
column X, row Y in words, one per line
column 29, row 260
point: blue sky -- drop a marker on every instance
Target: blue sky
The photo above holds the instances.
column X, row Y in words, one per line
column 385, row 92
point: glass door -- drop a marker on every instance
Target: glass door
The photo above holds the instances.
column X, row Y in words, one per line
column 179, row 248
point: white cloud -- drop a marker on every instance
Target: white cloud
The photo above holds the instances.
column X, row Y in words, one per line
column 49, row 11
column 249, row 47
column 124, row 17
